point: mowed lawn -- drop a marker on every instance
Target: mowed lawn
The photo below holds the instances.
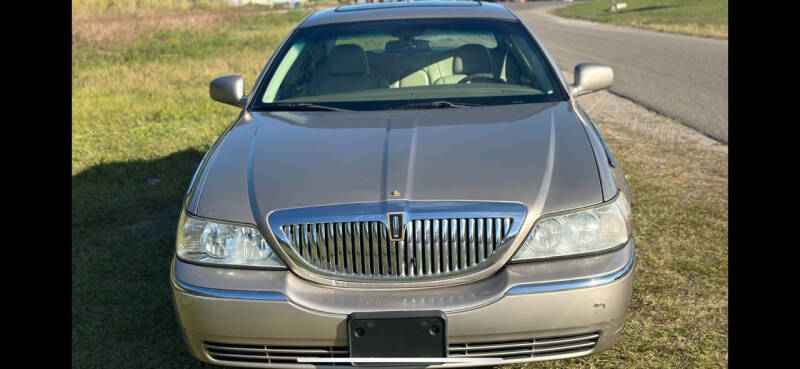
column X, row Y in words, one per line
column 707, row 18
column 142, row 120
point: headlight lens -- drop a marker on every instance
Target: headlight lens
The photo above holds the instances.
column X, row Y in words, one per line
column 579, row 232
column 223, row 243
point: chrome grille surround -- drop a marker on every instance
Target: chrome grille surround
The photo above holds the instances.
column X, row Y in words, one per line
column 441, row 239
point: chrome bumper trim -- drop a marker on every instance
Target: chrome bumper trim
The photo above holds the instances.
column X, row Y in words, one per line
column 406, row 360
column 228, row 294
column 575, row 284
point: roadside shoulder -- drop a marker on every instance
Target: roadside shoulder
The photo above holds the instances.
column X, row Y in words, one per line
column 633, row 121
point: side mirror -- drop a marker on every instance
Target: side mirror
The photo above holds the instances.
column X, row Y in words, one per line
column 229, row 90
column 591, row 77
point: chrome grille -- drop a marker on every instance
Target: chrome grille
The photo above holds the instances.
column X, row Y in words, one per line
column 431, row 247
column 266, row 354
column 531, row 348
column 534, row 348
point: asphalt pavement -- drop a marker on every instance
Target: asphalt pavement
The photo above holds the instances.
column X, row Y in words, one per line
column 682, row 77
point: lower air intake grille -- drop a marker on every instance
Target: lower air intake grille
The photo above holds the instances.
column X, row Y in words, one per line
column 269, row 354
column 536, row 348
column 531, row 348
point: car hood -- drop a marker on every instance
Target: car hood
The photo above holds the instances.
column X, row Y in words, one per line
column 535, row 154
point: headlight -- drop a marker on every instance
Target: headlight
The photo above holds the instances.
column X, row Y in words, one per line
column 578, row 232
column 210, row 242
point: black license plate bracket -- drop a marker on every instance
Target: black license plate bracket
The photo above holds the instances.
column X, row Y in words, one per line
column 398, row 334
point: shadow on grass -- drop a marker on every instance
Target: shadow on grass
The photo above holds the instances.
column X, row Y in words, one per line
column 124, row 218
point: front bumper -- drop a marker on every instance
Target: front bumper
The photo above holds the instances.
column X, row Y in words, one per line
column 279, row 316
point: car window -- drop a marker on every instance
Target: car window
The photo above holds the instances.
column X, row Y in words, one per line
column 385, row 64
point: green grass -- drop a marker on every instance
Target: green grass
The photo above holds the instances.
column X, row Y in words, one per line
column 141, row 112
column 142, row 119
column 708, row 18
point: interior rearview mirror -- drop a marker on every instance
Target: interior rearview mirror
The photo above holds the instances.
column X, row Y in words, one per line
column 591, row 77
column 229, row 90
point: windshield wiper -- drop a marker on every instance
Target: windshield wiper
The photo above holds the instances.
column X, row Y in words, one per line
column 436, row 105
column 297, row 107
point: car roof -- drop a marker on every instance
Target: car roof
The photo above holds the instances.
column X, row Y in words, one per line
column 408, row 10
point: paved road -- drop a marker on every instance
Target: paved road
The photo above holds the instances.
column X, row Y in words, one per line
column 685, row 78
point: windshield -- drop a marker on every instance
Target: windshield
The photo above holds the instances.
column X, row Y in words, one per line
column 389, row 64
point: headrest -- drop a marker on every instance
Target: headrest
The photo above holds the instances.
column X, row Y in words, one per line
column 407, row 46
column 471, row 59
column 348, row 59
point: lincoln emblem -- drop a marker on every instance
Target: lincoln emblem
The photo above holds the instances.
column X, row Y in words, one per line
column 396, row 226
